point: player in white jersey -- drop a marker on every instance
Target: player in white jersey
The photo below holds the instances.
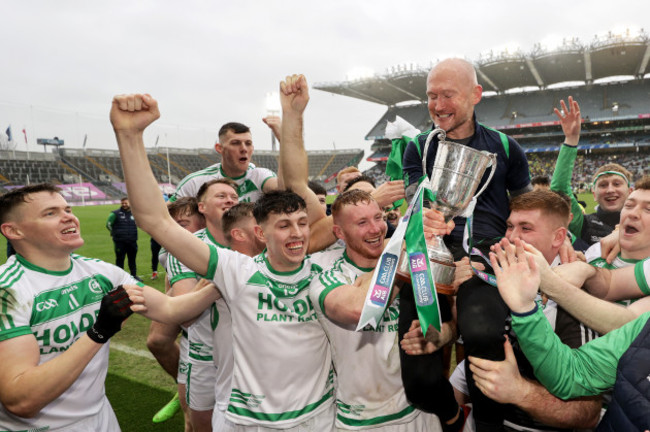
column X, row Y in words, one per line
column 161, row 340
column 286, row 380
column 369, row 392
column 214, row 197
column 236, row 148
column 55, row 318
column 297, row 387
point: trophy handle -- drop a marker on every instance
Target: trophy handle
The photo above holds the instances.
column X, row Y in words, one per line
column 436, row 131
column 493, row 168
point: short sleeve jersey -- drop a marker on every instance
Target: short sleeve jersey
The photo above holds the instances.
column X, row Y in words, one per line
column 593, row 255
column 58, row 307
column 210, row 336
column 369, row 388
column 249, row 186
column 282, row 373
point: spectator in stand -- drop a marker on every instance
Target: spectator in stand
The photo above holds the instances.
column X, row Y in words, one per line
column 124, row 233
column 452, row 93
column 611, row 182
column 541, row 182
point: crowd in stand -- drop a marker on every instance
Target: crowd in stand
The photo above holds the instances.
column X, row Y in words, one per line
column 280, row 316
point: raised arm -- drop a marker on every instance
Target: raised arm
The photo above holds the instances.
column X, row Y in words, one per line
column 130, row 116
column 294, row 96
column 571, row 122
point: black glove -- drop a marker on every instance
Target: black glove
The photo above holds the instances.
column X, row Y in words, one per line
column 115, row 308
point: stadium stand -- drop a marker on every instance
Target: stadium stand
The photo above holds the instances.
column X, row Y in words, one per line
column 103, row 168
column 608, row 77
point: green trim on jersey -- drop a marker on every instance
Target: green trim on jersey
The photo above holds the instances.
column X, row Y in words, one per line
column 279, row 289
column 223, row 173
column 36, row 268
column 503, row 137
column 206, row 171
column 11, row 275
column 346, row 257
column 182, row 276
column 331, row 282
column 639, row 273
column 372, row 421
column 265, row 180
column 245, row 398
column 210, row 237
column 8, row 302
column 212, row 264
column 195, row 350
column 263, row 256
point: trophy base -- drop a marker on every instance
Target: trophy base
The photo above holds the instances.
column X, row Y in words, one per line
column 443, row 274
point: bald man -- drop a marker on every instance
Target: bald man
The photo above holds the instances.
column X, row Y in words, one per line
column 452, row 93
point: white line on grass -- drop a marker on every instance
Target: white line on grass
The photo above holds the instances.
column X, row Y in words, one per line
column 133, row 351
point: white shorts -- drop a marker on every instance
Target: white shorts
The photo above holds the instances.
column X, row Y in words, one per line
column 219, row 422
column 103, row 421
column 321, row 422
column 458, row 380
column 201, row 378
column 183, row 358
column 422, row 422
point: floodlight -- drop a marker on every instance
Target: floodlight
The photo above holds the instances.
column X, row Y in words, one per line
column 360, row 72
column 552, row 42
column 273, row 102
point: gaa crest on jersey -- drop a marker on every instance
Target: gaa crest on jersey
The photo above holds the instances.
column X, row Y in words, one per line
column 95, row 287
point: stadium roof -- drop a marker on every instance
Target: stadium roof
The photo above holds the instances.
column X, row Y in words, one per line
column 610, row 55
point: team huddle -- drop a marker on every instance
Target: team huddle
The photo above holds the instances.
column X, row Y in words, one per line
column 265, row 290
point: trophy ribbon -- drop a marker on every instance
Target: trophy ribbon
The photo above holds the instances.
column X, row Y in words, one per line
column 381, row 285
column 468, row 245
column 422, row 279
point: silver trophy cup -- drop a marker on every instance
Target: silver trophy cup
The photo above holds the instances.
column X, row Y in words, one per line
column 456, row 174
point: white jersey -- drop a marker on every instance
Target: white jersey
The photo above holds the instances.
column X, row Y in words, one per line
column 210, row 336
column 593, row 255
column 249, row 185
column 369, row 391
column 282, row 373
column 58, row 307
